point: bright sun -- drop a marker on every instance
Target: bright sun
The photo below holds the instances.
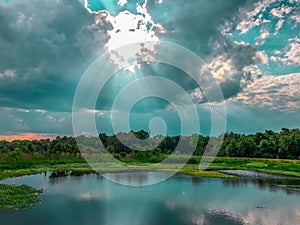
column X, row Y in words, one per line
column 137, row 30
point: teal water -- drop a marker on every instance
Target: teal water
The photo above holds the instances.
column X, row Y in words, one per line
column 91, row 200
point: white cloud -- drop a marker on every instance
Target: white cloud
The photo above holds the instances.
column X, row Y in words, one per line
column 281, row 11
column 263, row 15
column 159, row 1
column 197, row 95
column 277, row 52
column 23, row 110
column 100, row 112
column 279, row 25
column 8, row 74
column 129, row 29
column 261, row 57
column 248, row 21
column 293, row 53
column 222, row 68
column 274, row 92
column 264, row 34
column 122, row 2
column 296, row 17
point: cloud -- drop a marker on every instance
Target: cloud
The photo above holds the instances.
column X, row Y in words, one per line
column 19, row 120
column 50, row 51
column 129, row 28
column 292, row 53
column 281, row 11
column 226, row 59
column 296, row 17
column 192, row 29
column 280, row 93
column 122, row 2
column 248, row 16
column 43, row 51
column 266, row 18
column 47, row 45
column 233, row 65
column 279, row 25
column 8, row 74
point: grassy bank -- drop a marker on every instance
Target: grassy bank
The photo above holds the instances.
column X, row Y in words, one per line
column 274, row 166
column 18, row 197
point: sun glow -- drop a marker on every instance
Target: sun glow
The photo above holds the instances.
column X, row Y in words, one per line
column 137, row 30
column 26, row 136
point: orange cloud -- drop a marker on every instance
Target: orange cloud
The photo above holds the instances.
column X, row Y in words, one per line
column 26, row 136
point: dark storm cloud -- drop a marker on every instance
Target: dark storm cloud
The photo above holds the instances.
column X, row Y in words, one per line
column 49, row 44
column 201, row 26
column 45, row 44
column 195, row 24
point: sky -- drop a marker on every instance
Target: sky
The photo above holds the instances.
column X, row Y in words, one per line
column 250, row 48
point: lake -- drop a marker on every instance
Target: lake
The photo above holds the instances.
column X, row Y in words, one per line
column 93, row 200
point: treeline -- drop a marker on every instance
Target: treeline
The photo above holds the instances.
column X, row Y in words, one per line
column 269, row 144
column 281, row 145
column 46, row 149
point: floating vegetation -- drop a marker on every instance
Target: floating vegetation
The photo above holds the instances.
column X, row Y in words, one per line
column 18, row 197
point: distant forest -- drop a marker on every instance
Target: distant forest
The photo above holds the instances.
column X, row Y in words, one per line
column 276, row 145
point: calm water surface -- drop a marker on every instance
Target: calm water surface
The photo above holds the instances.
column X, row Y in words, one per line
column 93, row 200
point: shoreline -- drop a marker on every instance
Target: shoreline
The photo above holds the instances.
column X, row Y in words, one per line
column 226, row 168
column 234, row 169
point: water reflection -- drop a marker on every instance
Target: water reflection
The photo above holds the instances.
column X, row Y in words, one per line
column 137, row 178
column 59, row 173
column 91, row 200
column 288, row 185
column 285, row 215
column 262, row 181
column 217, row 216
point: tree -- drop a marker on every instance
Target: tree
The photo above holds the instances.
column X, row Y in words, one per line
column 141, row 134
column 110, row 148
